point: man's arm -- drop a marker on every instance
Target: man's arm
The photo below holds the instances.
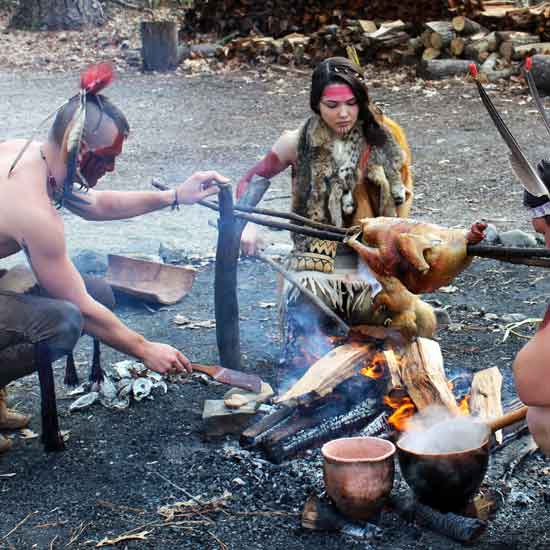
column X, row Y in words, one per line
column 119, row 205
column 44, row 243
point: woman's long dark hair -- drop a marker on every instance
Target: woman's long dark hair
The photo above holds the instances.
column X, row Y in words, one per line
column 342, row 70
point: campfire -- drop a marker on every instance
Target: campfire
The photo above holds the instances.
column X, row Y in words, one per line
column 374, row 384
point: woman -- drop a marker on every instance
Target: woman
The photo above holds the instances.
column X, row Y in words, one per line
column 348, row 162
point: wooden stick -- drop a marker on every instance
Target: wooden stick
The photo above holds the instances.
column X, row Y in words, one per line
column 508, row 251
column 326, row 235
column 290, row 277
column 225, row 284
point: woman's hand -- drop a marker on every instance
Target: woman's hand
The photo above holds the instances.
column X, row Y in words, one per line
column 199, row 186
column 250, row 243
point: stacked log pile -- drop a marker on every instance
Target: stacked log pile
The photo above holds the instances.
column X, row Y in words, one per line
column 496, row 35
column 277, row 18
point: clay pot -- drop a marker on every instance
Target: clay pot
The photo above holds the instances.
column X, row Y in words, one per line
column 358, row 474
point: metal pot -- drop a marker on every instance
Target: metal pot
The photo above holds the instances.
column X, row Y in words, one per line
column 447, row 480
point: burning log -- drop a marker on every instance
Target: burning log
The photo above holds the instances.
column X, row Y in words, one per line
column 324, row 375
column 421, row 373
column 332, row 426
column 254, row 435
column 451, row 525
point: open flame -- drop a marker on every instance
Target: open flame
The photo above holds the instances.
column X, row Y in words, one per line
column 404, row 409
column 375, row 367
column 464, row 406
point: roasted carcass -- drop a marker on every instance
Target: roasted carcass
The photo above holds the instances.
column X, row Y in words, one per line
column 423, row 256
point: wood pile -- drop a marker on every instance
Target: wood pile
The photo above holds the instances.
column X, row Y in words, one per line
column 439, row 38
column 278, row 18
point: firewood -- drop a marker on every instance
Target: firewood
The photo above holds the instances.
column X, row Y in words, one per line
column 457, row 46
column 485, row 396
column 443, row 68
column 333, row 368
column 333, row 426
column 367, row 25
column 478, row 50
column 440, row 40
column 488, row 68
column 521, row 52
column 254, row 435
column 513, row 40
column 423, row 376
column 430, row 53
column 465, row 26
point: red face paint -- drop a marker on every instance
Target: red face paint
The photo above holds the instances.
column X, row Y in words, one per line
column 96, row 162
column 338, row 93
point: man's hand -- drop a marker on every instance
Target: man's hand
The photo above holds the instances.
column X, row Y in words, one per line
column 199, row 186
column 542, row 225
column 165, row 359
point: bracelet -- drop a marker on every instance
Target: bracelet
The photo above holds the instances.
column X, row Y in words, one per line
column 175, row 202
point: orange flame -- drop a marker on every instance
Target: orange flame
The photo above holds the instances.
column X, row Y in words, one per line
column 404, row 410
column 375, row 368
column 464, row 407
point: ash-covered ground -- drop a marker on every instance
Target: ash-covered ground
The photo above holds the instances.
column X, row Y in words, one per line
column 120, row 468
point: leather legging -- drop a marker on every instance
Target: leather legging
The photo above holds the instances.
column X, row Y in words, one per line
column 27, row 320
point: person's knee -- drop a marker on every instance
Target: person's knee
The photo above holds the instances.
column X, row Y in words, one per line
column 67, row 325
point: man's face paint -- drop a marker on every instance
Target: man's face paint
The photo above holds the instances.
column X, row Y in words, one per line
column 339, row 108
column 97, row 162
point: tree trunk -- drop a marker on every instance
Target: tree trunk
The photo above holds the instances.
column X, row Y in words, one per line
column 159, row 41
column 58, row 14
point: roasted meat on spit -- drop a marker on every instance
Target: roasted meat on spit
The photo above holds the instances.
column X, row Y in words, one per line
column 423, row 256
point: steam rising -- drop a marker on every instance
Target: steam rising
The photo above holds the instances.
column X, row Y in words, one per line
column 435, row 430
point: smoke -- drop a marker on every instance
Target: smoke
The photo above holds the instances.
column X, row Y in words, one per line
column 435, row 430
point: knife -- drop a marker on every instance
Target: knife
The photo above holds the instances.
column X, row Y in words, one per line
column 521, row 167
column 251, row 382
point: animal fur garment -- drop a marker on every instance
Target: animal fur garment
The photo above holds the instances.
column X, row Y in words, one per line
column 329, row 171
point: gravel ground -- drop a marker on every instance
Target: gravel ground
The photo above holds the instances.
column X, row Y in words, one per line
column 120, row 467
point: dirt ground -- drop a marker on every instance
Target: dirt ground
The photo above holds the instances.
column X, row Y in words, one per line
column 120, row 467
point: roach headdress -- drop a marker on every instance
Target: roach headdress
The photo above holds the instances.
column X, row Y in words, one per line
column 92, row 80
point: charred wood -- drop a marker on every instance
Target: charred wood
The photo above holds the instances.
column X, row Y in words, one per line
column 334, row 426
column 255, row 434
column 459, row 528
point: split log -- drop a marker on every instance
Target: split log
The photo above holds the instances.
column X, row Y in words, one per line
column 159, row 45
column 367, row 26
column 485, row 396
column 465, row 26
column 437, row 69
column 324, row 375
column 422, row 374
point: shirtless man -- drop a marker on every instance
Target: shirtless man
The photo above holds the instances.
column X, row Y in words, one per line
column 37, row 328
column 532, row 363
